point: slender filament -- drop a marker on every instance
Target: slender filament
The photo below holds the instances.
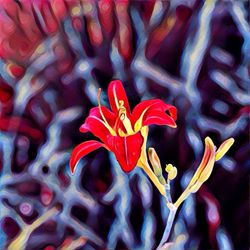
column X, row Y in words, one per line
column 123, row 117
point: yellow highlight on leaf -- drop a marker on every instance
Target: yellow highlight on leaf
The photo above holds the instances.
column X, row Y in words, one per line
column 21, row 240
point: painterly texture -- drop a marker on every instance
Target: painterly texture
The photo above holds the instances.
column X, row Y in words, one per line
column 121, row 131
column 55, row 55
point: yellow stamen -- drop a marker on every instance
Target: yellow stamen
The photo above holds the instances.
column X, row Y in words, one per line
column 125, row 120
column 111, row 130
column 121, row 133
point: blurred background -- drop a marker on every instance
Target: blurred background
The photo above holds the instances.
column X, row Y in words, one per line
column 54, row 55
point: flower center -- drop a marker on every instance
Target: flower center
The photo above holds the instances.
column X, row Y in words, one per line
column 125, row 120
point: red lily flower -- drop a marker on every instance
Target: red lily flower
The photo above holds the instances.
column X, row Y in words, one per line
column 122, row 132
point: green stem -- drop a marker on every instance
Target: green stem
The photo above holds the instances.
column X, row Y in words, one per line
column 183, row 196
column 168, row 227
column 165, row 191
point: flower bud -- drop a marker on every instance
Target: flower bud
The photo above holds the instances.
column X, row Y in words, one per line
column 155, row 161
column 224, row 147
column 205, row 168
column 171, row 170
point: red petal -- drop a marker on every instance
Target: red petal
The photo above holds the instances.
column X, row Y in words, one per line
column 95, row 124
column 158, row 118
column 117, row 93
column 155, row 113
column 127, row 150
column 81, row 150
column 109, row 116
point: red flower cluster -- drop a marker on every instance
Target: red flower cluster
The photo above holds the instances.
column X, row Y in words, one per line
column 122, row 132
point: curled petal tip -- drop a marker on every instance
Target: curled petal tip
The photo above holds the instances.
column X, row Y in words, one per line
column 173, row 126
column 83, row 128
column 81, row 150
column 173, row 113
column 72, row 165
column 72, row 168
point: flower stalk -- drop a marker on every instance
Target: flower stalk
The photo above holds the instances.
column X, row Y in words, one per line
column 125, row 134
column 167, row 230
column 202, row 173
